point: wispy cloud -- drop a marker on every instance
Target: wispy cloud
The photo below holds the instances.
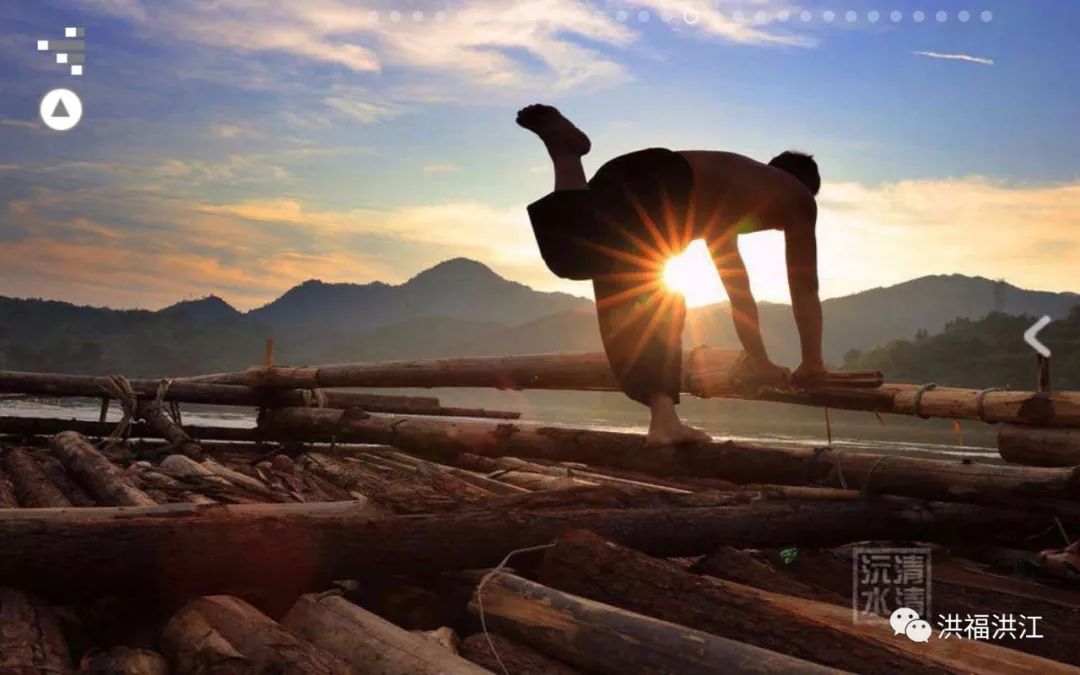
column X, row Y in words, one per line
column 956, row 57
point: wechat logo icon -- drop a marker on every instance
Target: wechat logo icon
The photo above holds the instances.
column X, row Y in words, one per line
column 906, row 621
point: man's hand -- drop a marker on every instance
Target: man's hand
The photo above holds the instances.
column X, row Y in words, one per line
column 808, row 372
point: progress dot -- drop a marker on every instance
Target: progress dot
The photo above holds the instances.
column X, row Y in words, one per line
column 942, row 16
column 874, row 16
column 987, row 16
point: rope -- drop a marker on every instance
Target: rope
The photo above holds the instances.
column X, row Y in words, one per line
column 866, row 484
column 119, row 387
column 828, row 426
column 918, row 398
column 818, row 452
column 1061, row 528
column 840, row 468
column 980, row 401
column 480, row 598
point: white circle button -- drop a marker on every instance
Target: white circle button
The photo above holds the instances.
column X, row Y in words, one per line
column 61, row 109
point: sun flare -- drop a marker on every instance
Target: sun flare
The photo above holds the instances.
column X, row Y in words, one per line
column 693, row 274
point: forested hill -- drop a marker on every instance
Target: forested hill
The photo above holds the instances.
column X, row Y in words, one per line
column 987, row 352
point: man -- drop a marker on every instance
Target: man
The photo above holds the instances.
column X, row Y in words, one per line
column 619, row 229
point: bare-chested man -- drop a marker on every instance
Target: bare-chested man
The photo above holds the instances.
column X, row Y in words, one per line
column 619, row 228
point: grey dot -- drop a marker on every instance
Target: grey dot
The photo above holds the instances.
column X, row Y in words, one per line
column 963, row 16
column 850, row 16
column 621, row 15
column 395, row 16
column 873, row 15
column 806, row 16
column 783, row 15
column 643, row 16
column 737, row 16
column 919, row 16
column 666, row 17
column 440, row 16
column 828, row 15
column 987, row 16
column 417, row 16
column 762, row 16
column 896, row 15
column 942, row 16
column 373, row 16
column 690, row 17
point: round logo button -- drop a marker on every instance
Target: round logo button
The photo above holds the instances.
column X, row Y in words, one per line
column 61, row 109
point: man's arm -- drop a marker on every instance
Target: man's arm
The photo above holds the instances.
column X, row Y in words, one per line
column 744, row 310
column 800, row 239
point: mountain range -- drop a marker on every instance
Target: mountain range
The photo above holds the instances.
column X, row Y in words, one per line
column 457, row 308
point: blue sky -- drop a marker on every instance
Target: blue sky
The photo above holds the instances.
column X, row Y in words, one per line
column 240, row 147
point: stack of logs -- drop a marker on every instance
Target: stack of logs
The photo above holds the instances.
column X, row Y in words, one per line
column 359, row 533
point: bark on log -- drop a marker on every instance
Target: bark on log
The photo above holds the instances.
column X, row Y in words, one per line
column 263, row 644
column 518, row 659
column 605, row 639
column 31, row 642
column 7, row 490
column 371, row 643
column 493, row 464
column 194, row 646
column 155, row 417
column 32, row 488
column 1038, row 446
column 822, row 632
column 49, row 384
column 125, row 661
column 105, row 481
column 585, row 564
column 739, row 462
column 184, row 549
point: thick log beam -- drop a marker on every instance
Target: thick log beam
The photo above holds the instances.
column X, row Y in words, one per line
column 33, row 426
column 106, row 482
column 186, row 549
column 954, row 480
column 601, row 638
column 238, row 629
column 370, row 643
column 1037, row 446
column 585, row 564
column 514, row 656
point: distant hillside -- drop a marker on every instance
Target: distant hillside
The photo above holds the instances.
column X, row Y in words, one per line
column 457, row 308
column 988, row 352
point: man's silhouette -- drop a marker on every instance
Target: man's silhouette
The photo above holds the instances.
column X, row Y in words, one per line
column 619, row 228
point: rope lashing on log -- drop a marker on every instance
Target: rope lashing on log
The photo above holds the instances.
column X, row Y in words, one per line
column 480, row 596
column 314, row 398
column 119, row 387
column 817, row 453
column 980, row 402
column 870, row 474
column 917, row 406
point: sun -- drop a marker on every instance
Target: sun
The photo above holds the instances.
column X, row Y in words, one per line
column 693, row 274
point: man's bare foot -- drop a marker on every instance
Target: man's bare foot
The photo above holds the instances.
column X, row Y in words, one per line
column 673, row 434
column 558, row 133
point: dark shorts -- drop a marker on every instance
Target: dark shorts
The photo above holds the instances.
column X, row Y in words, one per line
column 636, row 205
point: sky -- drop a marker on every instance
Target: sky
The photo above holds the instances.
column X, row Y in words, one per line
column 240, row 147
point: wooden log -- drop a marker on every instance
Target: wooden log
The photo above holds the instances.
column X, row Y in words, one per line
column 444, row 440
column 195, row 646
column 124, row 661
column 32, row 488
column 264, row 644
column 720, row 378
column 493, row 464
column 1039, row 446
column 31, row 641
column 516, row 657
column 752, row 569
column 153, row 414
column 185, row 549
column 370, row 643
column 605, row 639
column 58, row 475
column 105, row 481
column 51, row 384
column 823, row 632
column 34, row 426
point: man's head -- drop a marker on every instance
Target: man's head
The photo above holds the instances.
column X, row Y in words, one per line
column 800, row 165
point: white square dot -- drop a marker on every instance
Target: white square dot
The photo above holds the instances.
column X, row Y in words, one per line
column 71, row 32
column 76, row 70
column 43, row 45
column 61, row 58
